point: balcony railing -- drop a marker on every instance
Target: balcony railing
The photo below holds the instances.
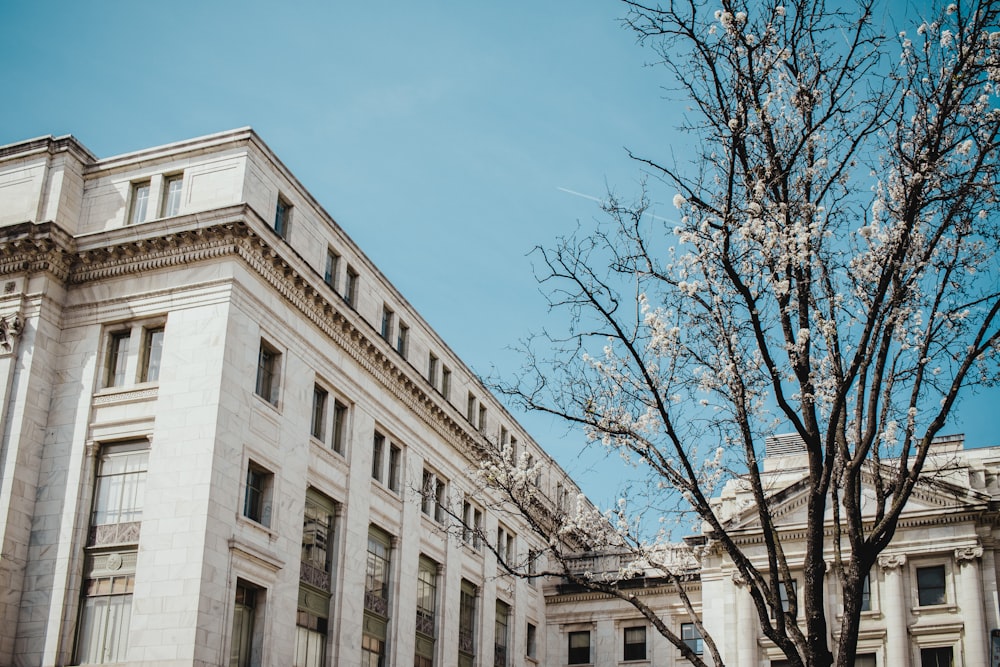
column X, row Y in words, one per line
column 314, row 576
column 376, row 603
column 114, row 533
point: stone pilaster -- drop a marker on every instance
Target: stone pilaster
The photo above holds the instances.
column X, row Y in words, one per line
column 894, row 607
column 968, row 593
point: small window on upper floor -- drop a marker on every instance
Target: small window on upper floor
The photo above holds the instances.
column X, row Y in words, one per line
column 939, row 656
column 395, row 467
column 268, row 369
column 482, row 419
column 282, row 217
column 402, row 339
column 339, row 439
column 931, row 585
column 387, row 319
column 139, row 204
column 172, row 195
column 446, row 383
column 318, row 426
column 470, row 409
column 116, row 359
column 691, row 637
column 332, row 268
column 152, row 349
column 579, row 648
column 257, row 494
column 432, row 369
column 635, row 643
column 351, row 287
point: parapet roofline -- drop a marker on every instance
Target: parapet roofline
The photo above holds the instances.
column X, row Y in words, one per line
column 48, row 143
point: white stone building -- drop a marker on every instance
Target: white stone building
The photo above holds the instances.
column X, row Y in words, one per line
column 931, row 600
column 227, row 439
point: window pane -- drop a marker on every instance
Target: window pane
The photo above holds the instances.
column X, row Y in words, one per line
column 152, row 348
column 172, row 202
column 931, row 585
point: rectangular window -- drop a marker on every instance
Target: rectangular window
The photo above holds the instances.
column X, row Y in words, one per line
column 244, row 650
column 482, row 419
column 446, row 383
column 351, row 287
column 439, row 499
column 426, row 492
column 372, row 651
column 940, row 656
column 257, row 495
column 427, row 598
column 377, row 573
column 387, row 317
column 477, row 530
column 317, row 540
column 268, row 367
column 282, row 217
column 866, row 594
column 635, row 643
column 378, row 444
column 531, row 641
column 865, row 660
column 395, row 467
column 403, row 339
column 119, row 489
column 532, row 567
column 310, row 640
column 466, row 521
column 467, row 624
column 783, row 595
column 432, row 370
column 105, row 620
column 501, row 637
column 152, row 349
column 691, row 637
column 931, row 585
column 330, row 271
column 140, row 203
column 470, row 409
column 172, row 195
column 318, row 412
column 579, row 648
column 339, row 441
column 117, row 359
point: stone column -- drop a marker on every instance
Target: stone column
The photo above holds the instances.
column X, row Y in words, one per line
column 895, row 609
column 747, row 623
column 969, row 592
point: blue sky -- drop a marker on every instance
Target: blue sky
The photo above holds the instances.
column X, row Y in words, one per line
column 442, row 136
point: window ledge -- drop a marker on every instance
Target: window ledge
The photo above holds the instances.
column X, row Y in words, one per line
column 934, row 609
column 244, row 520
column 263, row 401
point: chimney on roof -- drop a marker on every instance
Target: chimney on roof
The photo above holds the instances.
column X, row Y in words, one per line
column 785, row 444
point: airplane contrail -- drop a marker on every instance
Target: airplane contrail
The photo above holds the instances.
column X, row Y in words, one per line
column 601, row 201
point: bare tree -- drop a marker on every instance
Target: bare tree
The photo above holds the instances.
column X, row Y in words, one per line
column 831, row 271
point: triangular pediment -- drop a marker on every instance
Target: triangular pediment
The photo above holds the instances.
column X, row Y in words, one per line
column 933, row 495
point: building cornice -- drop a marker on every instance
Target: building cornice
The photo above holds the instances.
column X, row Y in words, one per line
column 32, row 249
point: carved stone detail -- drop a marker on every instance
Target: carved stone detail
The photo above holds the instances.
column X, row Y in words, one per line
column 891, row 561
column 968, row 554
column 10, row 331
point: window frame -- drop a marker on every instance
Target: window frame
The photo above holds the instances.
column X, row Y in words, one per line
column 282, row 217
column 692, row 638
column 575, row 654
column 151, row 354
column 634, row 650
column 138, row 209
column 351, row 287
column 268, row 382
column 317, row 425
column 258, row 491
column 172, row 199
column 922, row 591
column 402, row 339
column 116, row 358
column 331, row 268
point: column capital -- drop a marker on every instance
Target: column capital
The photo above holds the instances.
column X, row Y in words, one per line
column 891, row 561
column 739, row 579
column 968, row 554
